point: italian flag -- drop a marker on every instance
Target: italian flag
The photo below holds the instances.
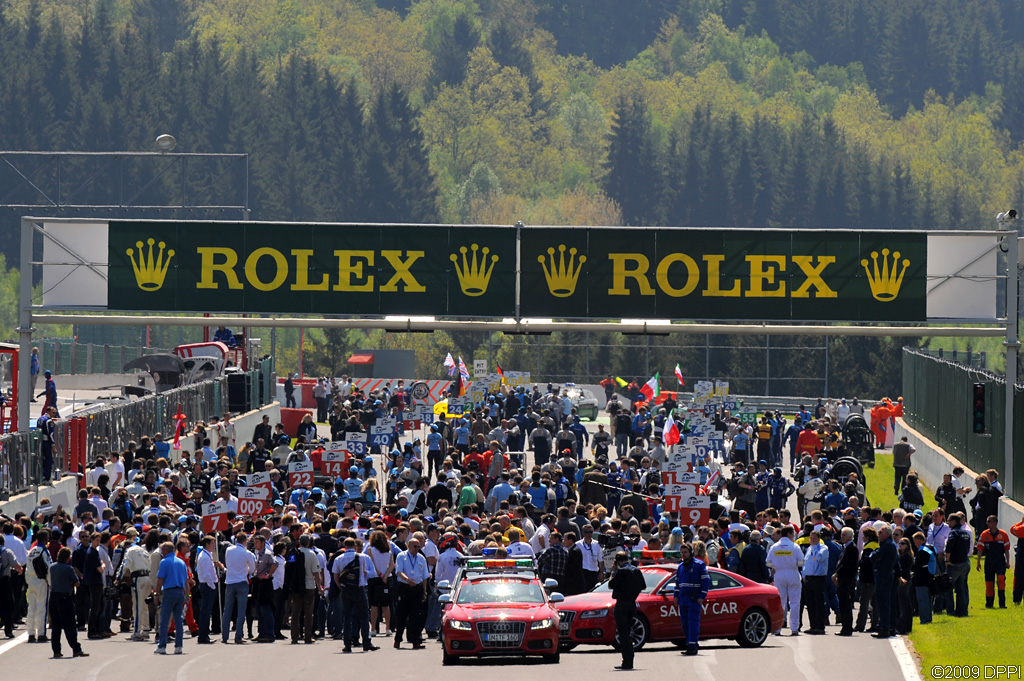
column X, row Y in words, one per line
column 670, row 435
column 651, row 388
column 679, row 375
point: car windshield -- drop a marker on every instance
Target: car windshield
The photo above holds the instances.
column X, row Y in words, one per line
column 500, row 591
column 652, row 577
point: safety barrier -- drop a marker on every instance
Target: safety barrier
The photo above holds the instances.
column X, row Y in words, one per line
column 938, row 402
column 106, row 428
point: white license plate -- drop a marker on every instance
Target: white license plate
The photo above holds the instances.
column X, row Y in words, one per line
column 563, row 628
column 501, row 637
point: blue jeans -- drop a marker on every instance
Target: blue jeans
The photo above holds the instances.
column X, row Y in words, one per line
column 207, row 599
column 235, row 596
column 335, row 614
column 958, row 573
column 924, row 603
column 433, row 623
column 172, row 604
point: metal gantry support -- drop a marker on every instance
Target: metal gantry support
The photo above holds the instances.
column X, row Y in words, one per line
column 1012, row 345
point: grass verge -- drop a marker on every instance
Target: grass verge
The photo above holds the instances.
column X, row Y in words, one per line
column 984, row 637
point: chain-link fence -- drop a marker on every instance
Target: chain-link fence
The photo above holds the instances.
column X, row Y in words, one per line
column 68, row 357
column 938, row 402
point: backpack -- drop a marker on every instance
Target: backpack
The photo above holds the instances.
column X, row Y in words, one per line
column 349, row 576
column 39, row 565
column 294, row 571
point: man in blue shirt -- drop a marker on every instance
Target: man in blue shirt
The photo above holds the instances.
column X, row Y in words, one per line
column 412, row 572
column 34, row 371
column 499, row 493
column 815, row 576
column 462, row 437
column 435, row 450
column 171, row 582
column 792, row 435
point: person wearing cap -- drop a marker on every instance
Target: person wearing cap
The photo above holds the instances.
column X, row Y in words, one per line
column 135, row 568
column 884, row 559
column 38, row 590
column 691, row 592
column 50, row 390
column 626, row 584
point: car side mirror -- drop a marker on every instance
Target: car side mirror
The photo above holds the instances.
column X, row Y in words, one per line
column 444, row 599
column 550, row 583
column 556, row 597
column 444, row 585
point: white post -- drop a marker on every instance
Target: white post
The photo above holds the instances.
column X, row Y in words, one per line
column 1012, row 345
column 25, row 326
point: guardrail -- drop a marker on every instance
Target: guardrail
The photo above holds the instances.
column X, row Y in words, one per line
column 101, row 429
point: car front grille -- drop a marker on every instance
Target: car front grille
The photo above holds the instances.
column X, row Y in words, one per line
column 565, row 618
column 514, row 630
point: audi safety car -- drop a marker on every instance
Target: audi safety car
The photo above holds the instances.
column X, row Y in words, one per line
column 499, row 608
column 736, row 608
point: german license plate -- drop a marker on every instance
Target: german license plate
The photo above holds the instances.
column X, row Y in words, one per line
column 500, row 637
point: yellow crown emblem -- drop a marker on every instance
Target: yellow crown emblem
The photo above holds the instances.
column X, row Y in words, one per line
column 561, row 275
column 885, row 285
column 150, row 272
column 475, row 273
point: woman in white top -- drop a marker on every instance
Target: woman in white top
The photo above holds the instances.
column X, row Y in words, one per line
column 379, row 552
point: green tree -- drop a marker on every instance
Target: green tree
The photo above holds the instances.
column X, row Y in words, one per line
column 634, row 173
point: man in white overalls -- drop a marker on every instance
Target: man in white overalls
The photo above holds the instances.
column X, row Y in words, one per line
column 136, row 573
column 785, row 558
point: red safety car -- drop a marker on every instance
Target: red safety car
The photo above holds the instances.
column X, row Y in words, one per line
column 497, row 608
column 736, row 608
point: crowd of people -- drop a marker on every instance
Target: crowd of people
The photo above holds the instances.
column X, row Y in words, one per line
column 358, row 555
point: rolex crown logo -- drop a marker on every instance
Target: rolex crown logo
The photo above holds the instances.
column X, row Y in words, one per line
column 149, row 271
column 885, row 283
column 475, row 273
column 561, row 275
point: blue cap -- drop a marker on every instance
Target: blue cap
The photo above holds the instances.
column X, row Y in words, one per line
column 182, row 518
column 368, row 459
column 402, row 512
column 278, row 502
column 677, row 530
column 316, row 490
column 321, row 507
column 433, row 426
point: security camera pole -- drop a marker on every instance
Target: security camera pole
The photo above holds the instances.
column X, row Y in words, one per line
column 1008, row 221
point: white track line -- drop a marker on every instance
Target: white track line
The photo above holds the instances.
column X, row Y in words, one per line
column 906, row 660
column 10, row 644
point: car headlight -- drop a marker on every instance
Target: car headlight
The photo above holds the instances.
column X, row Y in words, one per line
column 594, row 614
column 459, row 625
column 545, row 623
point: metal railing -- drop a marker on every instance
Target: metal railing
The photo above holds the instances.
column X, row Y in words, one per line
column 938, row 399
column 110, row 427
column 18, row 461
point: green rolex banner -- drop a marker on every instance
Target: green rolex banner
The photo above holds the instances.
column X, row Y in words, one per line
column 312, row 268
column 726, row 274
column 478, row 271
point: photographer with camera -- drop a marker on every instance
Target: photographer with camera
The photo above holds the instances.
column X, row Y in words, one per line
column 626, row 584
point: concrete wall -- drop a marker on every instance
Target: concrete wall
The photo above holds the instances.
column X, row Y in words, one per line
column 68, row 383
column 246, row 423
column 932, row 462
